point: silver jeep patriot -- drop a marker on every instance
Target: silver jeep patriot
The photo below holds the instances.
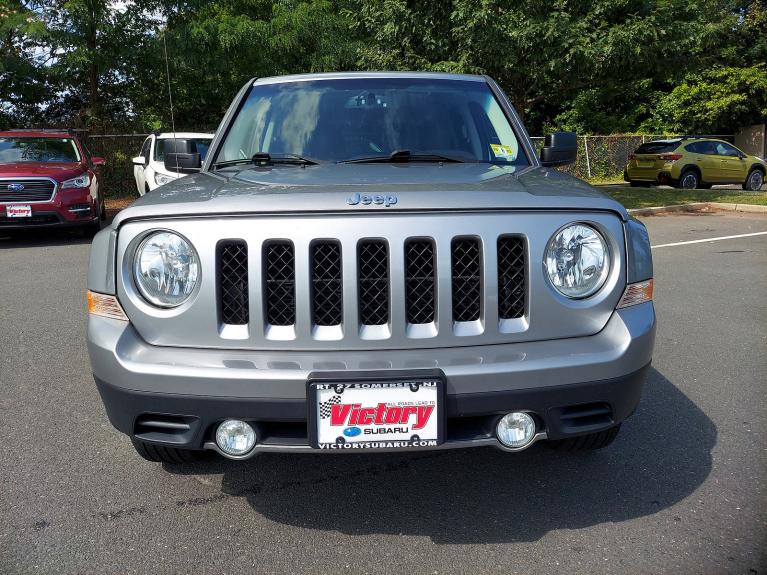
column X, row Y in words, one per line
column 370, row 262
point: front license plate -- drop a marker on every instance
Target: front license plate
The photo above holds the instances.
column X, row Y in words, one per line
column 18, row 211
column 377, row 414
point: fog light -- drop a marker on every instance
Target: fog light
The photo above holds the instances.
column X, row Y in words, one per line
column 515, row 429
column 235, row 437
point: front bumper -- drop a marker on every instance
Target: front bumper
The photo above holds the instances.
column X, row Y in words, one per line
column 69, row 207
column 177, row 396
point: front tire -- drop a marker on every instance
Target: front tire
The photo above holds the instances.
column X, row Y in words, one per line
column 754, row 181
column 689, row 180
column 589, row 442
column 162, row 454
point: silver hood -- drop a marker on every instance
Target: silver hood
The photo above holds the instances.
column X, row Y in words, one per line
column 326, row 188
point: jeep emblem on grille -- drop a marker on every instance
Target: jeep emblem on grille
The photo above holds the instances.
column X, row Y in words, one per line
column 15, row 187
column 376, row 199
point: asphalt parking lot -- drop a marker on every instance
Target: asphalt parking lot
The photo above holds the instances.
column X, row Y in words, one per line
column 682, row 490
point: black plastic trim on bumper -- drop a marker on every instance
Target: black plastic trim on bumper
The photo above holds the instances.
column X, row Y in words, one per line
column 11, row 223
column 471, row 414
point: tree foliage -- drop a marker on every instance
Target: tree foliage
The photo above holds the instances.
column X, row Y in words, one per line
column 597, row 66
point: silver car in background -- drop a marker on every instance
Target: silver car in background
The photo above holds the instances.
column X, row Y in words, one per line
column 370, row 262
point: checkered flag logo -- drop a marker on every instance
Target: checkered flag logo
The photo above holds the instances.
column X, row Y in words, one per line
column 327, row 406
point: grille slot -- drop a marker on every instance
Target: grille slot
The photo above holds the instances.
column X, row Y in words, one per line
column 34, row 191
column 373, row 286
column 166, row 428
column 327, row 286
column 584, row 417
column 466, row 257
column 511, row 277
column 233, row 282
column 420, row 281
column 280, row 283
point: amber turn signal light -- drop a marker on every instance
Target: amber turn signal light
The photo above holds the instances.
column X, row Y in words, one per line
column 637, row 293
column 105, row 306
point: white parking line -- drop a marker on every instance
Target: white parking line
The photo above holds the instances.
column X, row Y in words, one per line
column 710, row 240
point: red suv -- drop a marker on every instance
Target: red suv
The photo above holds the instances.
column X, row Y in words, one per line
column 48, row 179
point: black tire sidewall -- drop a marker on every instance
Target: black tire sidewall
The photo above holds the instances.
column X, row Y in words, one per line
column 685, row 173
column 747, row 184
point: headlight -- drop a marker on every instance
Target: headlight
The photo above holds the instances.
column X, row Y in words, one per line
column 162, row 179
column 166, row 268
column 577, row 260
column 81, row 181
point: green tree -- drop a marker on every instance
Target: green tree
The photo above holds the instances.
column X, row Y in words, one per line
column 23, row 82
column 717, row 101
column 215, row 47
column 97, row 48
column 595, row 66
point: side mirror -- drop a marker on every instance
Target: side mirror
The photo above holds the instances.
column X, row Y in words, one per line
column 181, row 156
column 559, row 149
column 139, row 161
column 98, row 161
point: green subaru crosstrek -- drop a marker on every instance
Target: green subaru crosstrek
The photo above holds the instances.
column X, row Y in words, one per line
column 693, row 163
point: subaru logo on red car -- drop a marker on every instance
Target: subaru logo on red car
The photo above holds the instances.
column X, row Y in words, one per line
column 15, row 187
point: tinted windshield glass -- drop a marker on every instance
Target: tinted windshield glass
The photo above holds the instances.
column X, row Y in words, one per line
column 200, row 144
column 337, row 120
column 38, row 150
column 657, row 147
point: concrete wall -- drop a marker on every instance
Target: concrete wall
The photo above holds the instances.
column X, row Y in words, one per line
column 753, row 140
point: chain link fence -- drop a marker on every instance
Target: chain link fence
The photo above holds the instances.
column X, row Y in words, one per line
column 118, row 150
column 600, row 158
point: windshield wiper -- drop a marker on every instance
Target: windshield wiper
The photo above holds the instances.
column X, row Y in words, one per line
column 403, row 156
column 266, row 159
column 227, row 163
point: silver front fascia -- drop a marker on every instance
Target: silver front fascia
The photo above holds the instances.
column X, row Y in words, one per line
column 548, row 314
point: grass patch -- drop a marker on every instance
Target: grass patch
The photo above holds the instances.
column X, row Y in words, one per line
column 652, row 197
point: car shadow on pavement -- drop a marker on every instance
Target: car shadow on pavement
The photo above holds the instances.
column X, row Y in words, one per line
column 662, row 455
column 42, row 238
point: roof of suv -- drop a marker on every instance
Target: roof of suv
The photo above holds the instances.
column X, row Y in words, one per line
column 171, row 135
column 350, row 75
column 37, row 134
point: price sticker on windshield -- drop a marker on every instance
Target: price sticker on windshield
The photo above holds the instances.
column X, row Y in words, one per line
column 504, row 152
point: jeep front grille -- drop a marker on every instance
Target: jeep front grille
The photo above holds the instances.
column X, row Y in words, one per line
column 420, row 281
column 467, row 279
column 511, row 277
column 233, row 282
column 280, row 283
column 34, row 190
column 373, row 282
column 327, row 286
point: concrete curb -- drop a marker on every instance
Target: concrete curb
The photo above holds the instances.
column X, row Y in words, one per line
column 698, row 207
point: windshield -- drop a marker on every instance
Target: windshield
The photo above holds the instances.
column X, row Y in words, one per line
column 201, row 144
column 38, row 150
column 339, row 120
